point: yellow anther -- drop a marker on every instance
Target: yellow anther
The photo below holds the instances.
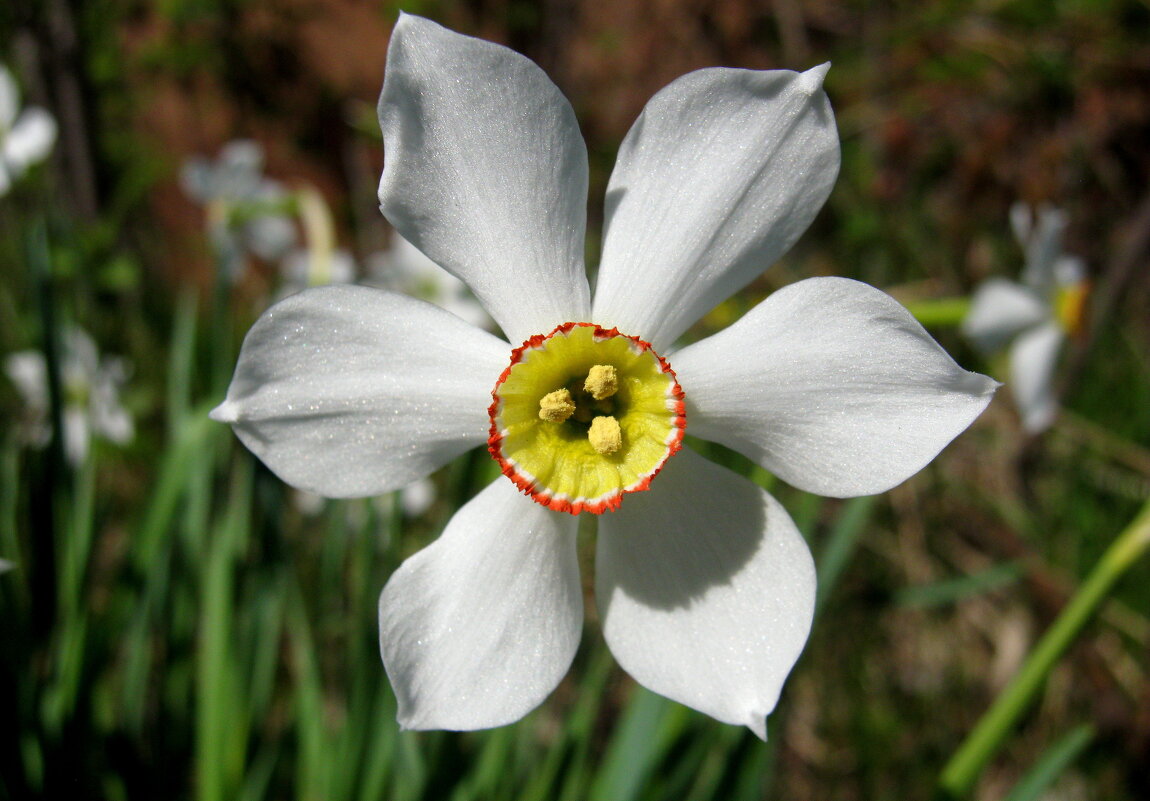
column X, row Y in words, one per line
column 605, row 435
column 602, row 381
column 1070, row 307
column 556, row 407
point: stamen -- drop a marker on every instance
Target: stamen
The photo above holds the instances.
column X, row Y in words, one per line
column 602, row 381
column 557, row 406
column 584, row 415
column 605, row 435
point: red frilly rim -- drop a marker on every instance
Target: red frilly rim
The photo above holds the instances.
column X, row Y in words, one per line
column 528, row 484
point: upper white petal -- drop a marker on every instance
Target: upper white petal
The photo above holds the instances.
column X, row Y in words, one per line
column 999, row 310
column 477, row 628
column 1033, row 357
column 831, row 385
column 9, row 98
column 486, row 173
column 347, row 391
column 706, row 590
column 30, row 139
column 29, row 372
column 718, row 177
column 1043, row 248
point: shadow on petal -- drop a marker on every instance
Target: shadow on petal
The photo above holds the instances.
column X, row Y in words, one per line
column 695, row 529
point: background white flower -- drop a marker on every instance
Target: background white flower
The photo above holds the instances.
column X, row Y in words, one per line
column 91, row 388
column 1033, row 317
column 302, row 268
column 404, row 268
column 704, row 584
column 246, row 210
column 26, row 137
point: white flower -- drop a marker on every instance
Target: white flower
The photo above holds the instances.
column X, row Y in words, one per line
column 705, row 587
column 91, row 389
column 404, row 268
column 25, row 137
column 246, row 210
column 1035, row 316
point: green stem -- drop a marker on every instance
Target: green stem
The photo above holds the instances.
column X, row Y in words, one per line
column 939, row 312
column 959, row 775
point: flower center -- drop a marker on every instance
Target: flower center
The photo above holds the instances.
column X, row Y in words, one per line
column 583, row 416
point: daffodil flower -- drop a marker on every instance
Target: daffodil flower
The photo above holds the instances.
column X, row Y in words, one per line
column 91, row 402
column 1036, row 316
column 26, row 137
column 705, row 587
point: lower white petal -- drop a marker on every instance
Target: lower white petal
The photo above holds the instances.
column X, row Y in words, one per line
column 706, row 590
column 1032, row 359
column 480, row 626
column 999, row 310
column 348, row 391
column 832, row 386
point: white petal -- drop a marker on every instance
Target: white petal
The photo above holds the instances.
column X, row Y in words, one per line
column 77, row 434
column 831, row 385
column 1033, row 357
column 477, row 628
column 486, row 173
column 30, row 139
column 9, row 98
column 999, row 310
column 1069, row 271
column 416, row 498
column 242, row 157
column 718, row 177
column 196, row 179
column 1043, row 249
column 348, row 391
column 270, row 236
column 1021, row 221
column 405, row 268
column 706, row 590
column 29, row 372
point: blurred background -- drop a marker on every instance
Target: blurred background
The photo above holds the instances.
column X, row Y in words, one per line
column 176, row 623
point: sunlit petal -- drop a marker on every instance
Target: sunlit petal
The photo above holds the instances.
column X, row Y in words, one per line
column 477, row 628
column 348, row 391
column 718, row 177
column 486, row 173
column 831, row 385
